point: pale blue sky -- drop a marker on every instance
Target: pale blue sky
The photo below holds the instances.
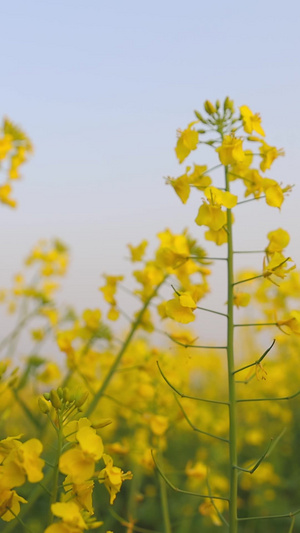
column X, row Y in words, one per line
column 102, row 86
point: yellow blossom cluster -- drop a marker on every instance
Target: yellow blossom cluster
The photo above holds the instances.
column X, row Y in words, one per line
column 15, row 147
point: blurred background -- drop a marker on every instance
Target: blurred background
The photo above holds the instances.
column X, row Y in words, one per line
column 101, row 88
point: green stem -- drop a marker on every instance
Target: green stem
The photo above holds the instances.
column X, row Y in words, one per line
column 54, row 491
column 164, row 505
column 118, row 358
column 233, row 524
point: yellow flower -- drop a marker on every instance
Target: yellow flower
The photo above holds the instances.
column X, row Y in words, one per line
column 113, row 313
column 112, row 477
column 81, row 494
column 92, row 318
column 9, row 499
column 241, row 299
column 187, row 141
column 5, row 198
column 208, row 509
column 6, row 145
column 231, row 150
column 181, row 308
column 211, row 216
column 137, row 252
column 109, row 290
column 79, row 462
column 268, row 155
column 279, row 239
column 292, row 323
column 221, row 198
column 198, row 471
column 273, row 192
column 219, row 237
column 277, row 266
column 23, row 460
column 251, row 122
column 72, row 521
column 181, row 186
column 159, row 424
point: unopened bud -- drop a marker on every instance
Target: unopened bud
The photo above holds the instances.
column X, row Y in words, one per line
column 43, row 405
column 228, row 104
column 218, row 105
column 55, row 399
column 102, row 423
column 209, row 107
column 66, row 395
column 3, row 367
column 82, row 399
column 200, row 117
column 60, row 392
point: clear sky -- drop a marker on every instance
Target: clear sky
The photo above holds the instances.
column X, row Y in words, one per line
column 101, row 87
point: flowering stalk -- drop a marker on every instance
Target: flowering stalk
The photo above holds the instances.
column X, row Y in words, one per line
column 231, row 379
column 124, row 347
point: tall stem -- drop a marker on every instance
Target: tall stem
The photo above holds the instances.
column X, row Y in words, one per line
column 124, row 347
column 233, row 524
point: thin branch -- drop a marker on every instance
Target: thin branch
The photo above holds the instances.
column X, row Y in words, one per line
column 193, row 345
column 270, row 399
column 220, row 515
column 248, row 279
column 208, row 258
column 250, row 200
column 257, row 361
column 197, row 429
column 185, row 491
column 249, row 251
column 270, row 517
column 185, row 395
column 127, row 524
column 256, row 324
column 211, row 311
column 255, row 467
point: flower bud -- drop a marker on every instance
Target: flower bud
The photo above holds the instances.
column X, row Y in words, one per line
column 60, row 392
column 200, row 117
column 228, row 104
column 102, row 423
column 66, row 395
column 43, row 405
column 82, row 399
column 55, row 399
column 209, row 107
column 3, row 367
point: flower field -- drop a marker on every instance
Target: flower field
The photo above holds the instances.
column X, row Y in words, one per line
column 147, row 427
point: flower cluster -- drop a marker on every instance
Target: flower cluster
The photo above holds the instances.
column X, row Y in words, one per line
column 15, row 147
